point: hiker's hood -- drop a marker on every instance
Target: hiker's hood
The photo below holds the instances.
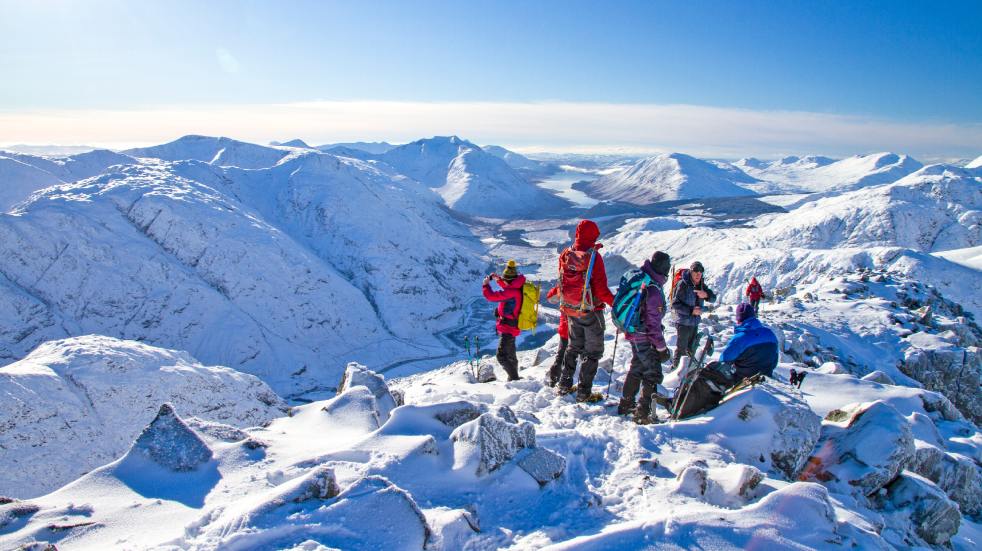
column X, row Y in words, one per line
column 753, row 280
column 587, row 233
column 649, row 270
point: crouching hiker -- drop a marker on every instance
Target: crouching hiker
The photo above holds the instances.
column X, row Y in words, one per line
column 509, row 300
column 647, row 340
column 557, row 366
column 750, row 355
column 583, row 292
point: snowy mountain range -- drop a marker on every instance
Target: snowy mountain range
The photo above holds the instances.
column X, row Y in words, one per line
column 670, row 177
column 177, row 322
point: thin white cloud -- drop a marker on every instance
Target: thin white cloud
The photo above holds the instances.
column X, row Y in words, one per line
column 227, row 61
column 544, row 126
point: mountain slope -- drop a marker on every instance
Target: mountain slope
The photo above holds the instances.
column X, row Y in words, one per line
column 19, row 180
column 521, row 163
column 470, row 180
column 818, row 174
column 216, row 151
column 669, row 177
column 144, row 253
column 977, row 163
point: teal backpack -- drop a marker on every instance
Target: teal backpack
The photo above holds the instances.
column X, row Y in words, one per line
column 626, row 312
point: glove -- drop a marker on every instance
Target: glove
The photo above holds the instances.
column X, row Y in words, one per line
column 664, row 355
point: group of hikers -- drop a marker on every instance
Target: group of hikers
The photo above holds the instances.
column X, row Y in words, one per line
column 639, row 309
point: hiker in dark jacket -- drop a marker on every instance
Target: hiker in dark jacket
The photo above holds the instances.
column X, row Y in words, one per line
column 586, row 318
column 688, row 298
column 509, row 300
column 753, row 348
column 647, row 343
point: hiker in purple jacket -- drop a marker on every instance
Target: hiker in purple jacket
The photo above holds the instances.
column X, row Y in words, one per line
column 647, row 343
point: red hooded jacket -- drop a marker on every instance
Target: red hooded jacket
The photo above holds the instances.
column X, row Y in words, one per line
column 509, row 300
column 754, row 290
column 563, row 322
column 587, row 233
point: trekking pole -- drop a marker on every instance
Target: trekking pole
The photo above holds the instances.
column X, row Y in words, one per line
column 477, row 356
column 613, row 358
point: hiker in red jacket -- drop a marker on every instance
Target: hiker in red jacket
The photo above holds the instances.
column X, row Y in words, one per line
column 509, row 300
column 754, row 293
column 557, row 365
column 583, row 292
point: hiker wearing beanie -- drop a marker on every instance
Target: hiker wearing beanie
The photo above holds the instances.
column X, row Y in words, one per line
column 583, row 292
column 754, row 293
column 753, row 348
column 509, row 300
column 688, row 297
column 557, row 366
column 647, row 343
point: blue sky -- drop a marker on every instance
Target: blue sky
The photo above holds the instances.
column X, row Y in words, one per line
column 885, row 63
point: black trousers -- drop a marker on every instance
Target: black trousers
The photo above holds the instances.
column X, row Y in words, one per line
column 508, row 356
column 586, row 338
column 557, row 366
column 686, row 343
column 645, row 372
column 756, row 304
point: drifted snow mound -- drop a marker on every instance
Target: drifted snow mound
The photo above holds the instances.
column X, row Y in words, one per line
column 669, row 177
column 217, row 151
column 78, row 403
column 798, row 516
column 863, row 447
column 769, row 426
column 469, row 179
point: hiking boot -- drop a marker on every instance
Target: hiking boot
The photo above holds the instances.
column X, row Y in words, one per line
column 642, row 417
column 552, row 381
column 663, row 401
column 563, row 390
column 625, row 407
column 589, row 398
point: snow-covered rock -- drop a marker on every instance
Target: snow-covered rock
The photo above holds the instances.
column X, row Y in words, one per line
column 469, row 179
column 79, row 403
column 878, row 376
column 770, row 426
column 862, row 448
column 543, row 465
column 356, row 408
column 670, row 177
column 486, row 443
column 358, row 375
column 958, row 476
column 922, row 508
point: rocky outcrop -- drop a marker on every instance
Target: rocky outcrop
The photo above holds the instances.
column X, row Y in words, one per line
column 358, row 375
column 956, row 475
column 862, row 448
column 956, row 372
column 170, row 443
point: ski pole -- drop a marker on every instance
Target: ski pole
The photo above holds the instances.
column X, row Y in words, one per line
column 613, row 358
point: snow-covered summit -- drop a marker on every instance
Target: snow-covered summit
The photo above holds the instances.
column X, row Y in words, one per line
column 469, row 179
column 296, row 142
column 670, row 177
column 219, row 151
column 977, row 163
column 521, row 163
column 813, row 174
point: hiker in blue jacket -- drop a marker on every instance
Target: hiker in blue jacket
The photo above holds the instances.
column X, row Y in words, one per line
column 753, row 348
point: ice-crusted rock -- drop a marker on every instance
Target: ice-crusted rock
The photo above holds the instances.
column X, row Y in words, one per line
column 486, row 443
column 769, row 425
column 878, row 377
column 358, row 375
column 731, row 486
column 543, row 465
column 485, row 373
column 218, row 431
column 917, row 505
column 451, row 528
column 355, row 407
column 170, row 443
column 862, row 448
column 954, row 371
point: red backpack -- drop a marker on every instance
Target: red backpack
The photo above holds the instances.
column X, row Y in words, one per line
column 575, row 271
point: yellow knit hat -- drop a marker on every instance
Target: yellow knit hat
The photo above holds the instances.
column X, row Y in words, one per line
column 511, row 270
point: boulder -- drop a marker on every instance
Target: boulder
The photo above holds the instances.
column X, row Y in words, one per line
column 956, row 475
column 878, row 377
column 486, row 443
column 769, row 425
column 914, row 504
column 485, row 373
column 451, row 528
column 862, row 448
column 355, row 408
column 358, row 375
column 954, row 371
column 388, row 516
column 833, row 368
column 170, row 443
column 543, row 465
